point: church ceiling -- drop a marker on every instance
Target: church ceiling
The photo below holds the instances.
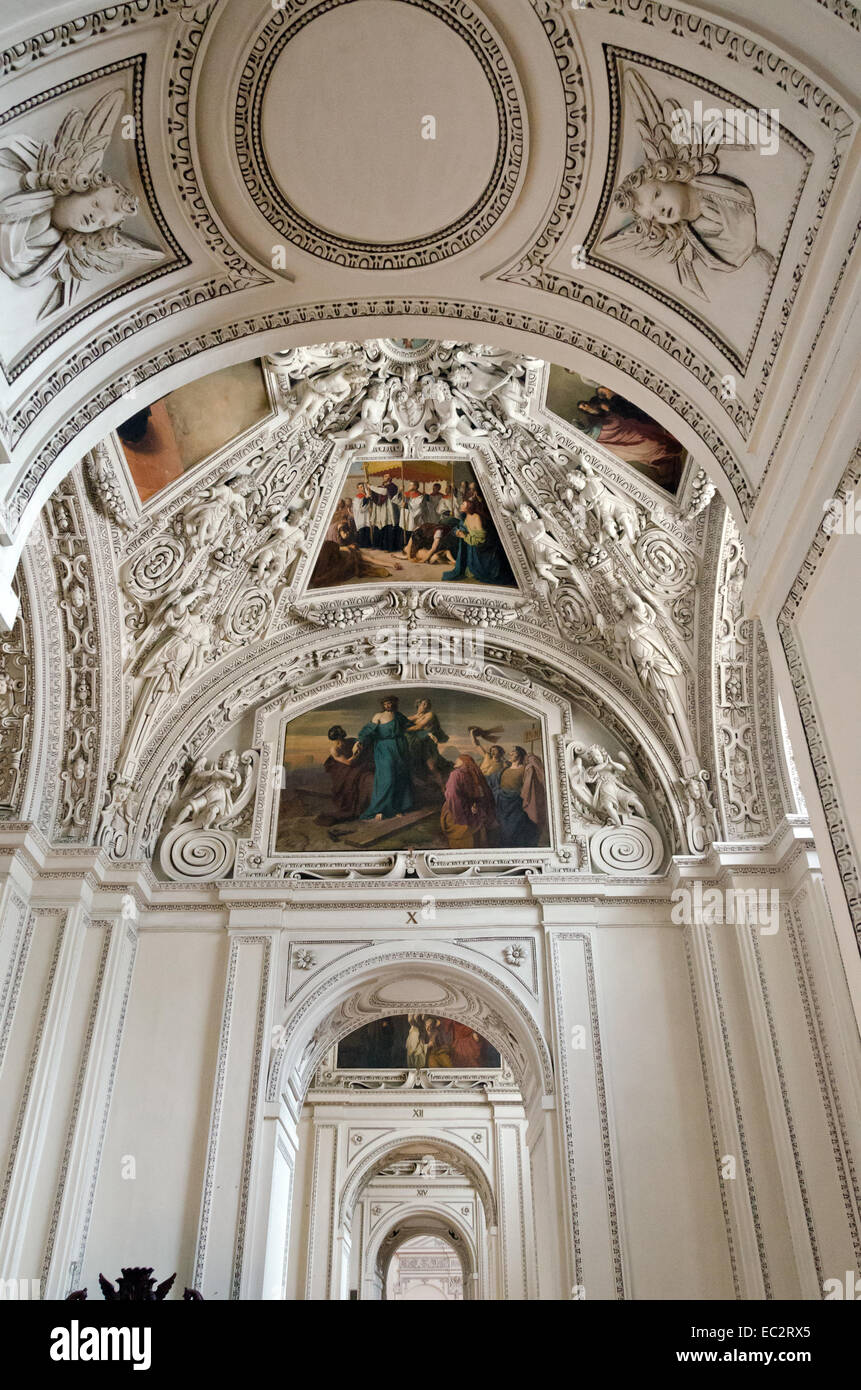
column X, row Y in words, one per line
column 403, row 537
column 186, row 186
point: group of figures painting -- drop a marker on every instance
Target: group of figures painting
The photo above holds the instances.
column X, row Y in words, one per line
column 619, row 425
column 408, row 521
column 415, row 1041
column 365, row 774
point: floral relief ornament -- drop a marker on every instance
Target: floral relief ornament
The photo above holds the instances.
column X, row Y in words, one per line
column 684, row 210
column 63, row 221
column 514, row 955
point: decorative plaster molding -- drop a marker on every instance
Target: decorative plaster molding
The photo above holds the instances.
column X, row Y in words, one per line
column 552, row 330
column 174, row 259
column 838, row 828
column 289, row 20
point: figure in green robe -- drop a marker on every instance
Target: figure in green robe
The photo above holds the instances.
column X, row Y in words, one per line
column 385, row 736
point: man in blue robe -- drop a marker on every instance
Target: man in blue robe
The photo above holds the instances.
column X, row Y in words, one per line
column 386, row 736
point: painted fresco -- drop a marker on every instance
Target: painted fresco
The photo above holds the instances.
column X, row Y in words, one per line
column 421, row 769
column 619, row 425
column 413, row 1041
column 411, row 520
column 165, row 439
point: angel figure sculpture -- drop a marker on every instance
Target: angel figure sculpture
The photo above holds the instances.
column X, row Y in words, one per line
column 494, row 372
column 205, row 520
column 209, row 794
column 683, row 209
column 639, row 642
column 452, row 427
column 616, row 518
column 180, row 652
column 317, row 396
column 582, row 795
column 372, row 424
column 550, row 559
column 700, row 814
column 613, row 798
column 283, row 540
column 63, row 220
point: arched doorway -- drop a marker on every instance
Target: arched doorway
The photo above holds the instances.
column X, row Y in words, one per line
column 428, row 1187
column 357, row 1153
column 422, row 1259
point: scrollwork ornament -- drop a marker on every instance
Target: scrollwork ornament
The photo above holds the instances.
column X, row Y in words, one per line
column 152, row 572
column 634, row 847
column 670, row 567
column 249, row 616
column 187, row 853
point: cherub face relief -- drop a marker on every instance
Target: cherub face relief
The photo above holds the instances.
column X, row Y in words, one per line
column 94, row 211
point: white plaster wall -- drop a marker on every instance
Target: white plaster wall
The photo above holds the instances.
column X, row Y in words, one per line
column 675, row 1242
column 23, row 1033
column 641, row 1076
column 51, row 1166
column 161, row 1109
column 300, row 1215
column 829, row 629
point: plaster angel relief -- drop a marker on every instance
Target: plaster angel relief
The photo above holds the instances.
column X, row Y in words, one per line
column 600, row 784
column 216, row 794
column 551, row 560
column 63, row 222
column 180, row 650
column 488, row 373
column 213, row 802
column 683, row 208
column 282, row 542
column 638, row 642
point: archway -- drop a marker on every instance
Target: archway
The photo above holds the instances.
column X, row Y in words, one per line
column 442, row 1250
column 335, row 1132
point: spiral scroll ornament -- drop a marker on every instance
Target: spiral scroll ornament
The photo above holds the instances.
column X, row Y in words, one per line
column 249, row 615
column 574, row 613
column 155, row 568
column 187, row 853
column 668, row 565
column 635, row 847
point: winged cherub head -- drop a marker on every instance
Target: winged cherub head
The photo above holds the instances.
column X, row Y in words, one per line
column 683, row 209
column 63, row 220
column 105, row 204
column 659, row 191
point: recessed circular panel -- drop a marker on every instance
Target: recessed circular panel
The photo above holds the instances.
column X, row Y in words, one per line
column 378, row 124
column 381, row 134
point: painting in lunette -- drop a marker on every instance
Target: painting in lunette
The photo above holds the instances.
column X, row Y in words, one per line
column 163, row 440
column 407, row 520
column 622, row 427
column 413, row 1041
column 415, row 769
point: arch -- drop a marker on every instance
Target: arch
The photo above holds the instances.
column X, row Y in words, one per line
column 303, row 325
column 624, row 709
column 472, row 992
column 318, row 1020
column 428, row 1221
column 391, row 1143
